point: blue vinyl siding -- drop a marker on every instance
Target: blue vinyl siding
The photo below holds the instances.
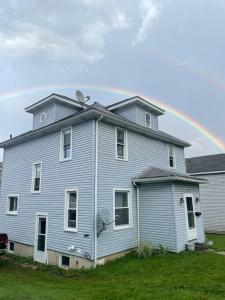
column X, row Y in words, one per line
column 62, row 111
column 56, row 177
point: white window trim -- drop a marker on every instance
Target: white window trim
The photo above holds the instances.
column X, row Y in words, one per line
column 125, row 146
column 33, row 172
column 150, row 117
column 66, row 228
column 60, row 261
column 13, row 213
column 10, row 251
column 129, row 190
column 61, row 158
column 174, row 156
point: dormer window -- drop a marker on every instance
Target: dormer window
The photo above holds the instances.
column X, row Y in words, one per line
column 66, row 144
column 172, row 162
column 148, row 120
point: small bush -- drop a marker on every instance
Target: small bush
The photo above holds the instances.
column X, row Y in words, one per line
column 144, row 250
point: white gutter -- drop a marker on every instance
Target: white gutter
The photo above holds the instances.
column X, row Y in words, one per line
column 207, row 173
column 138, row 213
column 96, row 192
column 171, row 178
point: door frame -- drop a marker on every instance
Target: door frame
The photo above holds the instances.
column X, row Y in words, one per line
column 37, row 216
column 193, row 235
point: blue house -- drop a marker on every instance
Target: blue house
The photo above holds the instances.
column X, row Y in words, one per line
column 89, row 182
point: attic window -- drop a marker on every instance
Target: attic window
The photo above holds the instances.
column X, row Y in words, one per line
column 148, row 120
column 43, row 117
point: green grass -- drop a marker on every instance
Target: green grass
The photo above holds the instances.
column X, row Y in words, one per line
column 218, row 241
column 197, row 275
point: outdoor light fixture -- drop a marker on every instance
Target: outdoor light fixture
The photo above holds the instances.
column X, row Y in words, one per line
column 181, row 200
column 197, row 199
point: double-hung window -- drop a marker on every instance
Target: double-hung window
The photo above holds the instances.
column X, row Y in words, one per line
column 13, row 204
column 71, row 210
column 122, row 208
column 66, row 144
column 148, row 120
column 36, row 180
column 172, row 162
column 121, row 144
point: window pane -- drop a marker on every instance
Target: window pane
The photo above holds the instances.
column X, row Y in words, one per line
column 191, row 220
column 38, row 170
column 122, row 216
column 171, row 162
column 66, row 151
column 42, row 225
column 120, row 151
column 65, row 261
column 72, row 218
column 189, row 204
column 13, row 203
column 67, row 138
column 147, row 120
column 41, row 243
column 121, row 199
column 120, row 136
column 72, row 200
column 36, row 184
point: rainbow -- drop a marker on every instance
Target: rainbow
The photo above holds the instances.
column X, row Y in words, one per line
column 128, row 93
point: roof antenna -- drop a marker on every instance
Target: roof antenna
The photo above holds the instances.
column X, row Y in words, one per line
column 81, row 98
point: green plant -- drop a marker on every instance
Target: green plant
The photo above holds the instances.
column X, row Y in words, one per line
column 163, row 250
column 144, row 250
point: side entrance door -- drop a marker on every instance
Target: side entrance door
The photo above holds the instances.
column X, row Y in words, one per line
column 190, row 217
column 40, row 248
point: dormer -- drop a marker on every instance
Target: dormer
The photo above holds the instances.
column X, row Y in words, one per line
column 51, row 109
column 138, row 110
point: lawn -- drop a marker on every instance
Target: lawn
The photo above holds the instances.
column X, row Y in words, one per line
column 218, row 241
column 198, row 275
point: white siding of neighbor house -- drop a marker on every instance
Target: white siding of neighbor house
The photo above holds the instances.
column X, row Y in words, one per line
column 213, row 202
column 56, row 177
column 157, row 224
column 136, row 113
column 179, row 190
column 112, row 173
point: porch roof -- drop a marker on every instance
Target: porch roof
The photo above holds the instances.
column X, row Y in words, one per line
column 154, row 174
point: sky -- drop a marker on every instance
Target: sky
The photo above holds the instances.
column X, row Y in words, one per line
column 169, row 50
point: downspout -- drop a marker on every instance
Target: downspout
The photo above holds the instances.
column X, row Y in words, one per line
column 96, row 191
column 138, row 211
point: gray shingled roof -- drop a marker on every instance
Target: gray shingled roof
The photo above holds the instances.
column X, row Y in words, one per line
column 158, row 174
column 206, row 164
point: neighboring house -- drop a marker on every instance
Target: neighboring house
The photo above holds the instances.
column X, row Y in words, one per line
column 82, row 165
column 212, row 194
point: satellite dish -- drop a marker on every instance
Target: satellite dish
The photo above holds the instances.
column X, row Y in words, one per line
column 80, row 96
column 105, row 216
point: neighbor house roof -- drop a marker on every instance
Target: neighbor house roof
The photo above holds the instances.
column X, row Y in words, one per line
column 206, row 164
column 153, row 174
column 95, row 111
column 136, row 100
column 54, row 97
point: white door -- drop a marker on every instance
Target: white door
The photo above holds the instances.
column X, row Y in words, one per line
column 40, row 249
column 190, row 217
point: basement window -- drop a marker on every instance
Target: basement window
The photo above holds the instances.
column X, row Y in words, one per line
column 65, row 261
column 11, row 247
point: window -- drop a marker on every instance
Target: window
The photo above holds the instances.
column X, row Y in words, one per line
column 36, row 181
column 71, row 210
column 121, row 144
column 171, row 156
column 11, row 247
column 65, row 261
column 122, row 208
column 66, row 143
column 190, row 212
column 148, row 120
column 13, row 204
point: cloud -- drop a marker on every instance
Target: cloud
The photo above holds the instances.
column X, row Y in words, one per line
column 58, row 30
column 150, row 11
column 201, row 146
column 183, row 63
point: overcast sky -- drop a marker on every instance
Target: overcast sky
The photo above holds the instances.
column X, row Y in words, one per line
column 171, row 50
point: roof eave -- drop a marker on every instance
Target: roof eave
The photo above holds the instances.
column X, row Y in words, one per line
column 170, row 178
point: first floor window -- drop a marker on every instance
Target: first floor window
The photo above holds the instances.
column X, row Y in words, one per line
column 122, row 208
column 13, row 204
column 148, row 120
column 71, row 210
column 121, row 143
column 171, row 156
column 190, row 212
column 36, row 177
column 66, row 141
